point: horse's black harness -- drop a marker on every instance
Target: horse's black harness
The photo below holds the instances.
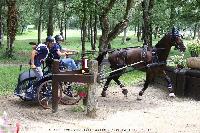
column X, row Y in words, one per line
column 121, row 57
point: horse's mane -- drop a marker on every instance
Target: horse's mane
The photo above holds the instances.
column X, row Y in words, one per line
column 158, row 45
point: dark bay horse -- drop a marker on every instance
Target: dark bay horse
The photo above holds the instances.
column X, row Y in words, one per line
column 153, row 60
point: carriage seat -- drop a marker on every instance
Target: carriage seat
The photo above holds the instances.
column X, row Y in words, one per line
column 25, row 75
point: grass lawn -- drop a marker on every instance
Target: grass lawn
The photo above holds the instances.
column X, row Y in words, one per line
column 8, row 78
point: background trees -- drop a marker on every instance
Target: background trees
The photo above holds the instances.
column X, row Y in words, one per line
column 111, row 17
column 11, row 26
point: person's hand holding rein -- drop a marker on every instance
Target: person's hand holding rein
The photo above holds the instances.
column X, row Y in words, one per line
column 33, row 66
column 71, row 52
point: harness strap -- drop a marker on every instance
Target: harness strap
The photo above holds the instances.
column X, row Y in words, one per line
column 122, row 57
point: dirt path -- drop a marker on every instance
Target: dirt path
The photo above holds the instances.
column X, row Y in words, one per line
column 156, row 113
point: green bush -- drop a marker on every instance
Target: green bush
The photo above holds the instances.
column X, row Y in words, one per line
column 178, row 60
column 194, row 46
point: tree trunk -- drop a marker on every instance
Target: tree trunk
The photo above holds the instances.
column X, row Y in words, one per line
column 65, row 20
column 147, row 6
column 95, row 32
column 40, row 22
column 135, row 29
column 39, row 31
column 156, row 32
column 91, row 33
column 199, row 31
column 11, row 26
column 1, row 25
column 65, row 29
column 107, row 35
column 84, row 29
column 105, row 26
column 61, row 27
column 195, row 31
column 50, row 20
column 138, row 32
column 124, row 37
column 89, row 30
column 172, row 14
column 103, row 43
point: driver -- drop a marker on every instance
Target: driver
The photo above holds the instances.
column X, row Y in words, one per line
column 57, row 52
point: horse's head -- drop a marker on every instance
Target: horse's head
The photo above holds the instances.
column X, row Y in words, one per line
column 176, row 39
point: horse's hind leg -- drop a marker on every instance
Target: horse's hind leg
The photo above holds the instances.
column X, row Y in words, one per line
column 124, row 91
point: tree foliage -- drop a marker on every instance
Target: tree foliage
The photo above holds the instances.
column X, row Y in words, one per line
column 110, row 16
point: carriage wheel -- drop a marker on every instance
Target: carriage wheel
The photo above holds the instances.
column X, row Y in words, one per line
column 23, row 86
column 44, row 93
column 70, row 94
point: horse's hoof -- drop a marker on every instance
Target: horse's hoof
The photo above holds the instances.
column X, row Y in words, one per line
column 141, row 93
column 122, row 86
column 139, row 97
column 125, row 92
column 103, row 93
column 172, row 95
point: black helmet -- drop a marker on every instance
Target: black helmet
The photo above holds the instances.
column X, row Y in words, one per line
column 50, row 39
column 58, row 38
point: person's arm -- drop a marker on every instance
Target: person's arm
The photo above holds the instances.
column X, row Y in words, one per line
column 34, row 47
column 33, row 54
column 61, row 53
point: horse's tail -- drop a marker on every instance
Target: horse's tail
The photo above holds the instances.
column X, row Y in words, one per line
column 101, row 57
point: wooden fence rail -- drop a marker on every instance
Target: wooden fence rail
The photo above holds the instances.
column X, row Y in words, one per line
column 76, row 76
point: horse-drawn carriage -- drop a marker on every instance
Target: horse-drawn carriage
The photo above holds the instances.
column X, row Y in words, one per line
column 153, row 61
column 30, row 88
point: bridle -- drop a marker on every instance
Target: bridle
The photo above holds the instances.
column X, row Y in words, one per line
column 174, row 40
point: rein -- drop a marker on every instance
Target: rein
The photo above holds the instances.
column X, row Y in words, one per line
column 121, row 68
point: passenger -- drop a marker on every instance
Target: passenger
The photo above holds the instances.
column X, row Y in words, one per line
column 39, row 54
column 57, row 52
column 34, row 45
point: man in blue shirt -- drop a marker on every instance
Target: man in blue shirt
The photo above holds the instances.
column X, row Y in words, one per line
column 39, row 54
column 57, row 52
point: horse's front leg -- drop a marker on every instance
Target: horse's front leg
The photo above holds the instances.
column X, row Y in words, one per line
column 149, row 77
column 169, row 84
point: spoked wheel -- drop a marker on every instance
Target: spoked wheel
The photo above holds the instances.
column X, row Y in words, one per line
column 44, row 93
column 22, row 87
column 71, row 93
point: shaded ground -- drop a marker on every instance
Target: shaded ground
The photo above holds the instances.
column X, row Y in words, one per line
column 156, row 113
